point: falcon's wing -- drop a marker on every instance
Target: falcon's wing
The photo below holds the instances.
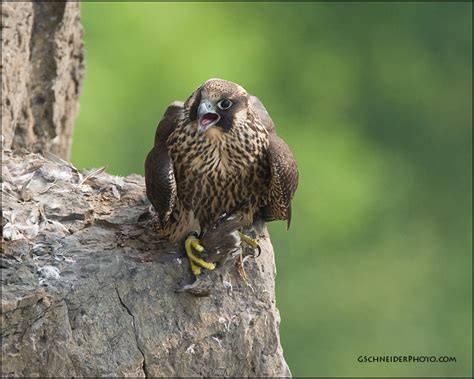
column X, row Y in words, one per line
column 283, row 182
column 159, row 173
column 283, row 169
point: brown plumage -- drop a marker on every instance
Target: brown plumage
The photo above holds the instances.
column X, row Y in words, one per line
column 217, row 153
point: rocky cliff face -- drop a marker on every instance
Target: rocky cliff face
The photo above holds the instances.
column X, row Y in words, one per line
column 42, row 70
column 89, row 290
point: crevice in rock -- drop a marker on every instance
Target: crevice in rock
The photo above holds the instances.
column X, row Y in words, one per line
column 135, row 330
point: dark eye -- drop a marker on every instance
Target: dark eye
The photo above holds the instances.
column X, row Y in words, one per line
column 224, row 104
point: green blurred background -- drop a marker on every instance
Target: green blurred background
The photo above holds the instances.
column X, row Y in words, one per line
column 375, row 100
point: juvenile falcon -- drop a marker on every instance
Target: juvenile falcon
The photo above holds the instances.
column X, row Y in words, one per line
column 217, row 153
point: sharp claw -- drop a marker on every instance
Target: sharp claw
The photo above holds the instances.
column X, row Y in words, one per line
column 251, row 242
column 259, row 250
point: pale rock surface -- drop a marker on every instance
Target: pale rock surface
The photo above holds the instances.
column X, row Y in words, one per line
column 89, row 290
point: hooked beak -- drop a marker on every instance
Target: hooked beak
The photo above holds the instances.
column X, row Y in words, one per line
column 207, row 116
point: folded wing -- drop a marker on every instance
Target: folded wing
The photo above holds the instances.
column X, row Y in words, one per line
column 284, row 172
column 159, row 172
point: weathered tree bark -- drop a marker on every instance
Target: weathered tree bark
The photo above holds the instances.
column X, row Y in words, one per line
column 87, row 288
column 42, row 70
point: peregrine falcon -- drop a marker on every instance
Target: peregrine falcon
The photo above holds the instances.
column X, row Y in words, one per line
column 214, row 154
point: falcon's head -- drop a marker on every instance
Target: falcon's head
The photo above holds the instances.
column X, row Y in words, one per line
column 218, row 104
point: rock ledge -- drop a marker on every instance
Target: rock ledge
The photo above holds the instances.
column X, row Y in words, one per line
column 87, row 290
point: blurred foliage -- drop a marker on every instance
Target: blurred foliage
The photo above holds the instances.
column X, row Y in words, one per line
column 375, row 101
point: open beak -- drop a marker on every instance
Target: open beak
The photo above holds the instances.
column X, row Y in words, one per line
column 207, row 116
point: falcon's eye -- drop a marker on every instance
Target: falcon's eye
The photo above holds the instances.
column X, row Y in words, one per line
column 224, row 104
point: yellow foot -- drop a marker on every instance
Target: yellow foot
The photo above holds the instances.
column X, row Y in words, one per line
column 254, row 245
column 251, row 242
column 196, row 263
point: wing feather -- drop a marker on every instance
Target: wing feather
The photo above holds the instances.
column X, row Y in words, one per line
column 159, row 171
column 283, row 182
column 283, row 169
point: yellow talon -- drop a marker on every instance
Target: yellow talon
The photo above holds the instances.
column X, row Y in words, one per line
column 196, row 245
column 251, row 242
column 254, row 245
column 194, row 268
column 196, row 263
